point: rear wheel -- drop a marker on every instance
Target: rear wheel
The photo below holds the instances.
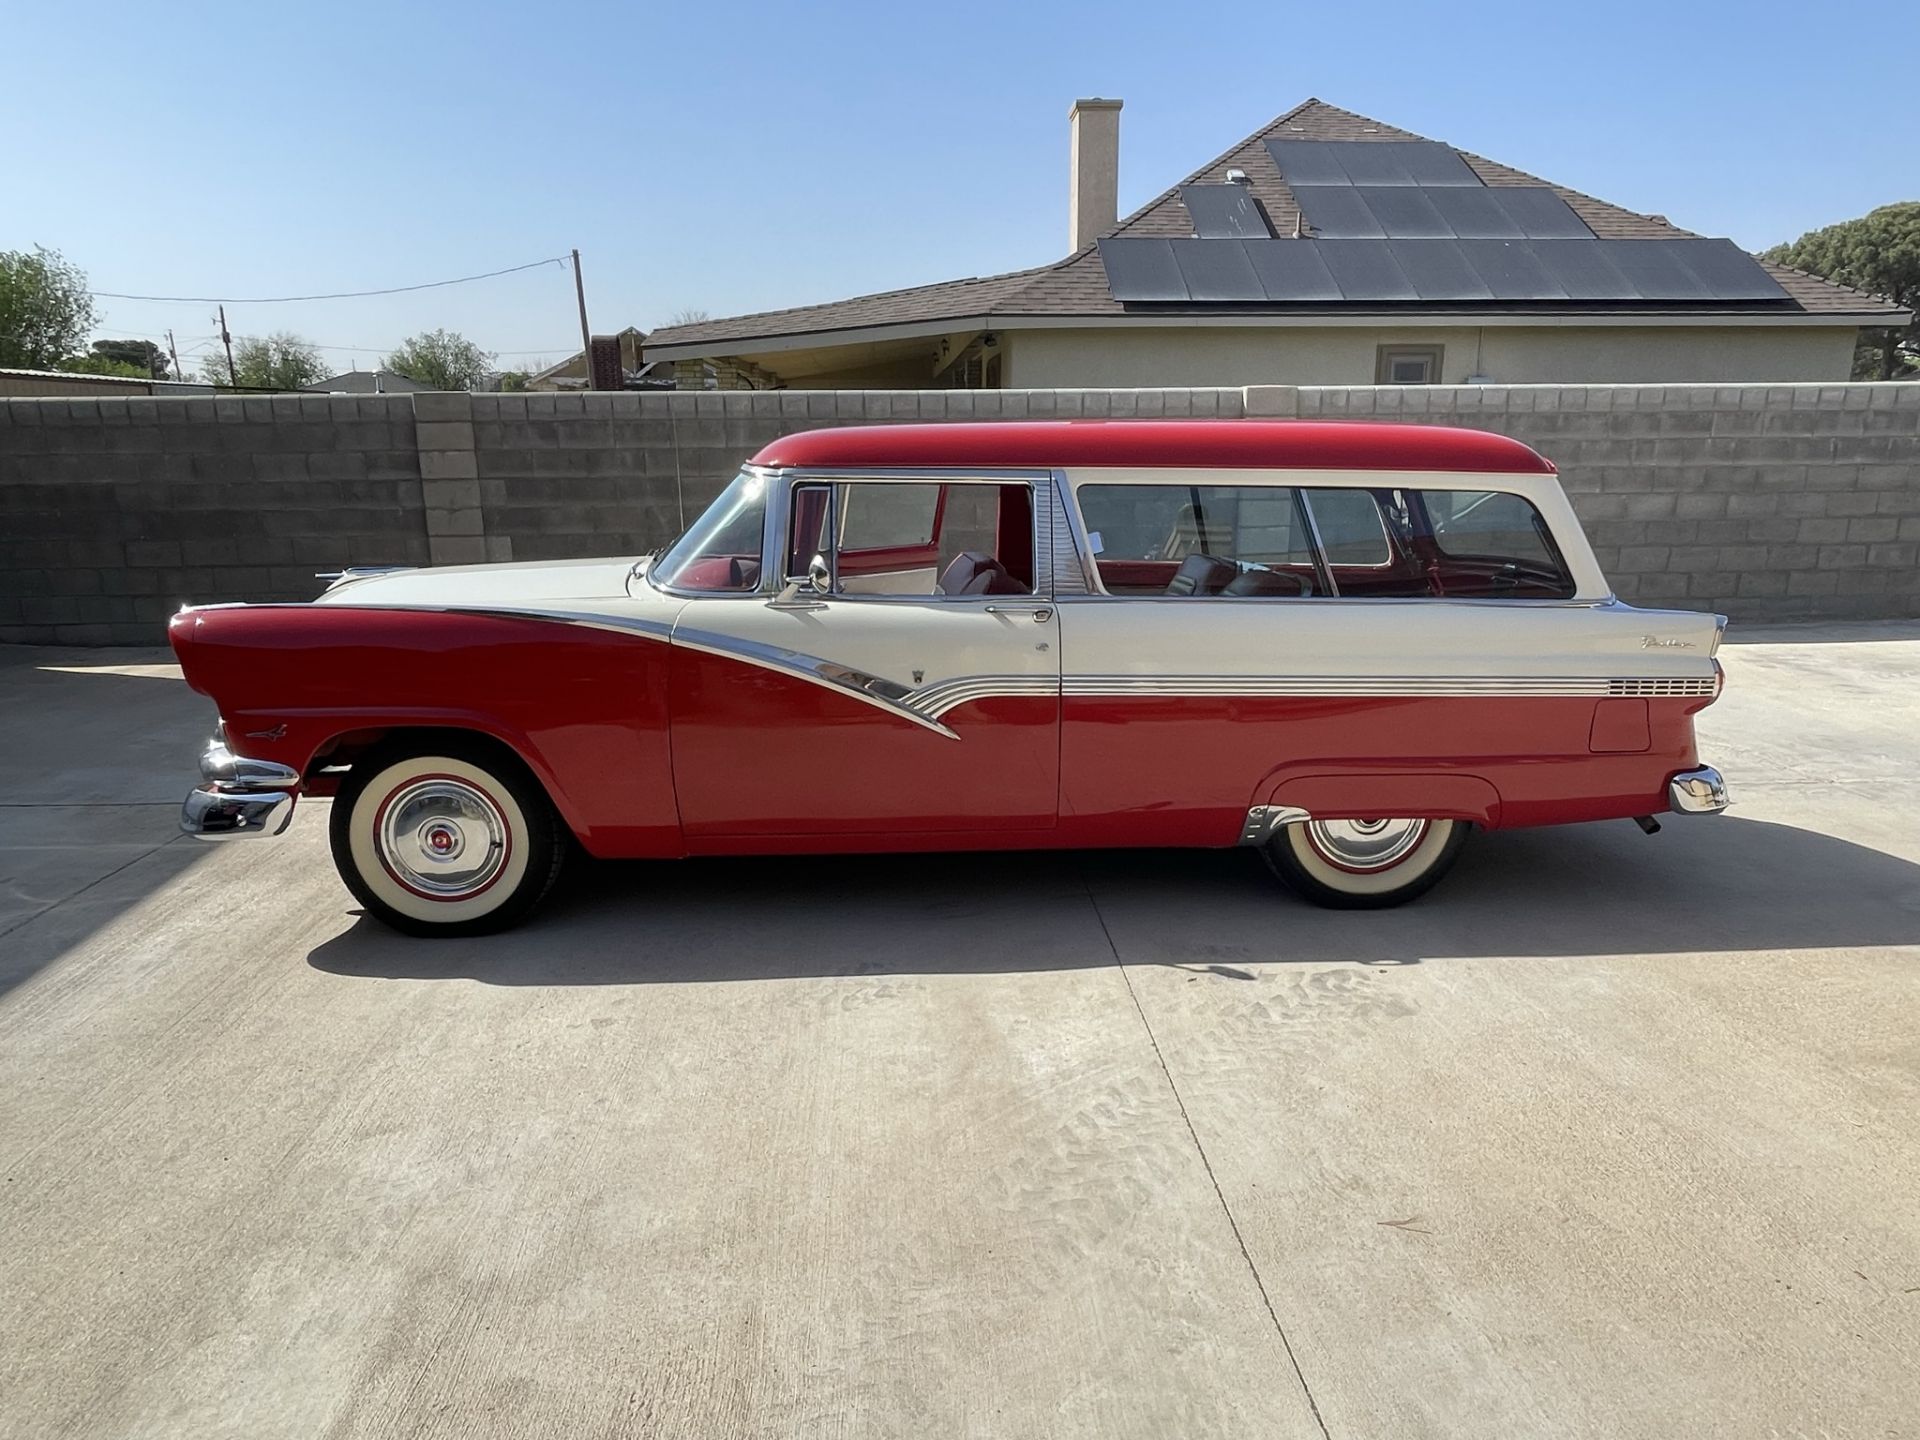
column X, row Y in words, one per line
column 1365, row 864
column 445, row 837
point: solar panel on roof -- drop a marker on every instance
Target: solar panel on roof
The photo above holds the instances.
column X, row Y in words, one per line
column 1142, row 268
column 1430, row 163
column 1337, row 211
column 1307, row 162
column 1655, row 270
column 1540, row 214
column 1225, row 212
column 1474, row 214
column 1363, row 270
column 1511, row 269
column 1371, row 162
column 1725, row 269
column 1217, row 270
column 1438, row 271
column 1366, row 270
column 1404, row 212
column 1441, row 212
column 1581, row 268
column 1292, row 270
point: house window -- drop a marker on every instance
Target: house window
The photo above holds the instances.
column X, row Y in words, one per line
column 1408, row 364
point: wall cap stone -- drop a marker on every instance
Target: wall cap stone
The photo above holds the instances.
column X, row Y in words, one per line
column 442, row 405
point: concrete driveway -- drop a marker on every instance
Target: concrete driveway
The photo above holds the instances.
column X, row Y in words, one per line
column 1611, row 1136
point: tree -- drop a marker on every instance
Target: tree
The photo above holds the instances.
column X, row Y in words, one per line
column 1878, row 253
column 143, row 355
column 45, row 310
column 276, row 362
column 515, row 380
column 441, row 360
column 689, row 317
column 102, row 365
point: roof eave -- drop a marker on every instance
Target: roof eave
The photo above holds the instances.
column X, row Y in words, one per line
column 1190, row 319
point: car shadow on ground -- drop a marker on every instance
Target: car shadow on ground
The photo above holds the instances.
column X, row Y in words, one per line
column 1711, row 885
column 96, row 751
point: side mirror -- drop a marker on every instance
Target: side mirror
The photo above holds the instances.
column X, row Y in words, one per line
column 817, row 581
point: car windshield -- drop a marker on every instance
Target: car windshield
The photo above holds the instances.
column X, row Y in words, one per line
column 722, row 549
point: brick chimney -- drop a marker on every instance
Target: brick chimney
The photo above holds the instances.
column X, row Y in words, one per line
column 1093, row 184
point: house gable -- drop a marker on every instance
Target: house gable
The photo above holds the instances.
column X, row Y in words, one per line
column 1077, row 288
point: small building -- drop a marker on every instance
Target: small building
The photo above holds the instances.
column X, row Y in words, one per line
column 571, row 373
column 367, row 382
column 1324, row 249
column 27, row 383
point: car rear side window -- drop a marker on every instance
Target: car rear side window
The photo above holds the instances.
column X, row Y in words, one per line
column 1349, row 526
column 1349, row 541
column 1197, row 540
column 1486, row 522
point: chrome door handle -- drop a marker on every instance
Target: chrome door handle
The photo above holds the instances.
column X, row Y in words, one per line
column 1040, row 613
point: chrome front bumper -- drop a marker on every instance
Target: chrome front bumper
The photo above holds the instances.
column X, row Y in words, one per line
column 240, row 796
column 1698, row 792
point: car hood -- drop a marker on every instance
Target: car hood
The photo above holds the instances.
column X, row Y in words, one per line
column 542, row 583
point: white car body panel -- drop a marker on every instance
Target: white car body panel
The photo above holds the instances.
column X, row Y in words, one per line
column 482, row 587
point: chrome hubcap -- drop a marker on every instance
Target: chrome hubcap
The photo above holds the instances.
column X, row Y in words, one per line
column 444, row 838
column 1366, row 844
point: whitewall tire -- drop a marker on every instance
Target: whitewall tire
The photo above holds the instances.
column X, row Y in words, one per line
column 446, row 838
column 1365, row 864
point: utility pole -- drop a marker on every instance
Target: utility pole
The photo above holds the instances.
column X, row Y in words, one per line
column 178, row 373
column 586, row 336
column 233, row 376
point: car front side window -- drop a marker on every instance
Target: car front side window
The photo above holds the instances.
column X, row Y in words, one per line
column 902, row 539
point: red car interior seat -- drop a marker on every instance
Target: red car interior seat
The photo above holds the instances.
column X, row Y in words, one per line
column 972, row 572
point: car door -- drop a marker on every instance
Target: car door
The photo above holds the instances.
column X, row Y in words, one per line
column 878, row 703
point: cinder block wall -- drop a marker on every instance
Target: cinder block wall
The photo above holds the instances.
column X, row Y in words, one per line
column 113, row 511
column 1765, row 502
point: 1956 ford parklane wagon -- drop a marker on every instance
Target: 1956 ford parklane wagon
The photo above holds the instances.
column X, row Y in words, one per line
column 1347, row 645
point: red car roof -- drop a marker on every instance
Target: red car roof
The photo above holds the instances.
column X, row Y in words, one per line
column 1242, row 444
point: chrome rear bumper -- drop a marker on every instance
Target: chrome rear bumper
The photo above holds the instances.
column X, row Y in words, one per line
column 1698, row 792
column 240, row 796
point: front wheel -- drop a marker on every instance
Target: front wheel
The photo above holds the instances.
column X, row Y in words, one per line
column 445, row 839
column 1365, row 864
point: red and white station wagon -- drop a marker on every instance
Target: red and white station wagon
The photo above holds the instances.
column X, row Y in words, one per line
column 1347, row 645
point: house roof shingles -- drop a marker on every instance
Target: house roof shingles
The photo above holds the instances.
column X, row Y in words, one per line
column 1077, row 285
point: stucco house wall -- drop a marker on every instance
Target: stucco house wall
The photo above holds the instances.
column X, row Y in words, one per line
column 1113, row 357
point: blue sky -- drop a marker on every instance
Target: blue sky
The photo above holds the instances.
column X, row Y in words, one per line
column 740, row 156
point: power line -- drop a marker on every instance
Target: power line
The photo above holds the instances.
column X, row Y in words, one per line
column 339, row 295
column 130, row 334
